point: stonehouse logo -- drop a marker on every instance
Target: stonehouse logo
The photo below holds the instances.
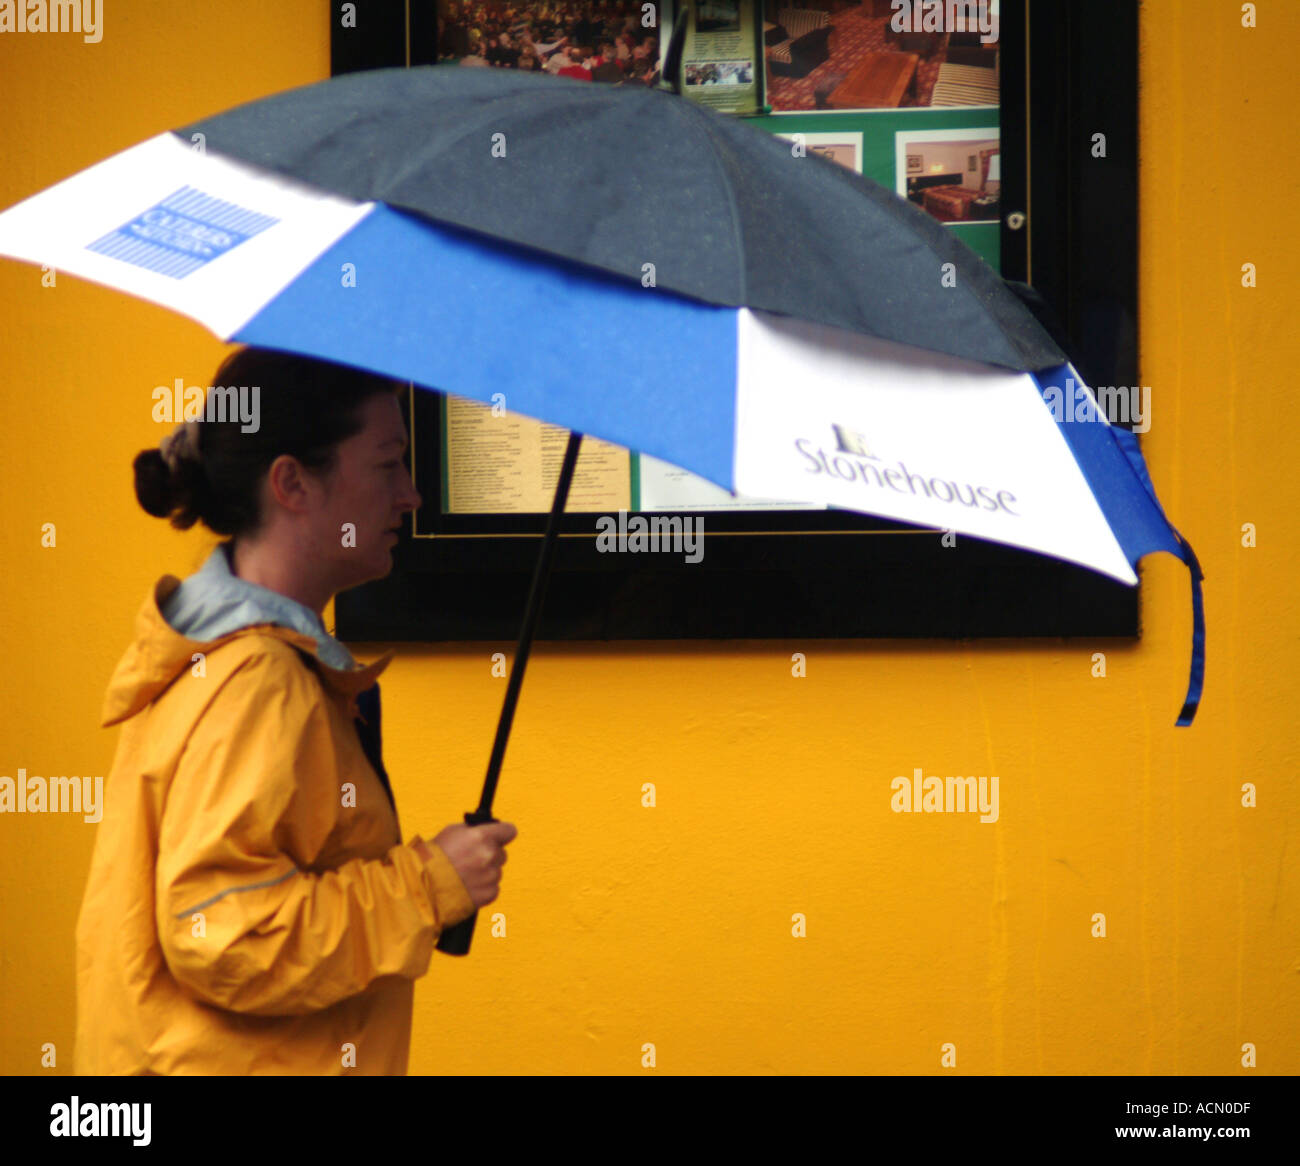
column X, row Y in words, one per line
column 852, row 461
column 83, row 16
column 850, row 441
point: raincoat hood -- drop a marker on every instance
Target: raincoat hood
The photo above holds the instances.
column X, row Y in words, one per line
column 180, row 619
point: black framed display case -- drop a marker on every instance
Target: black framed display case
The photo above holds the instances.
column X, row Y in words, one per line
column 1066, row 225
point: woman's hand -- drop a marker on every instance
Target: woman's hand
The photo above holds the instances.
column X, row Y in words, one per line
column 478, row 853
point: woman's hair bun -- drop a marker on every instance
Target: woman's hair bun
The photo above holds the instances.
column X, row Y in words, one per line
column 165, row 493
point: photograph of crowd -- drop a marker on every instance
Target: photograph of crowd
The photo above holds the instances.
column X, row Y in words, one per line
column 605, row 41
column 720, row 73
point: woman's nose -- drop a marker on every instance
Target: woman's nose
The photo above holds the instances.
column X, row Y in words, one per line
column 411, row 499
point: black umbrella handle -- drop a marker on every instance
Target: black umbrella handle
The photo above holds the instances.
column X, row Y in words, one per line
column 455, row 940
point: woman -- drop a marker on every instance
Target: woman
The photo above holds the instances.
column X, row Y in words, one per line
column 250, row 906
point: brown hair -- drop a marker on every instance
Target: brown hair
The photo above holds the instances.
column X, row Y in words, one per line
column 305, row 408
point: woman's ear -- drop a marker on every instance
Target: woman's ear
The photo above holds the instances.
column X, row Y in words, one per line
column 290, row 485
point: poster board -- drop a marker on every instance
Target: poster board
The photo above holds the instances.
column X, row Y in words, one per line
column 773, row 570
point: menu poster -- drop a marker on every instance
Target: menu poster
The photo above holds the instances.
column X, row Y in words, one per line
column 720, row 64
column 496, row 462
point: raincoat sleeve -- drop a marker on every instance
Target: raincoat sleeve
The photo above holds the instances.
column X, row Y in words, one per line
column 255, row 795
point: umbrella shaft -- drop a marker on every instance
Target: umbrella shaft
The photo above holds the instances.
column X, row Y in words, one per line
column 535, row 595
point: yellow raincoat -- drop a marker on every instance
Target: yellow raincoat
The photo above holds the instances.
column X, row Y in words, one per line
column 250, row 907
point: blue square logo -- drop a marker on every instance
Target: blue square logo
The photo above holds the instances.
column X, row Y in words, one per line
column 185, row 231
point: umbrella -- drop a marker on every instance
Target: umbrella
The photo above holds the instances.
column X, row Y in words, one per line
column 827, row 342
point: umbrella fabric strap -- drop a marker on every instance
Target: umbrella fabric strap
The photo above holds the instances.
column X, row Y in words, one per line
column 1115, row 470
column 1196, row 681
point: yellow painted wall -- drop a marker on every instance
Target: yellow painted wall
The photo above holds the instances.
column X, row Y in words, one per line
column 672, row 925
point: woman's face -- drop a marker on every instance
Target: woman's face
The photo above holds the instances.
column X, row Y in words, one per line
column 366, row 497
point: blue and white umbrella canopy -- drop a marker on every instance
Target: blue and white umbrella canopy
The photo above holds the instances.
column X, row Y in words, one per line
column 764, row 405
